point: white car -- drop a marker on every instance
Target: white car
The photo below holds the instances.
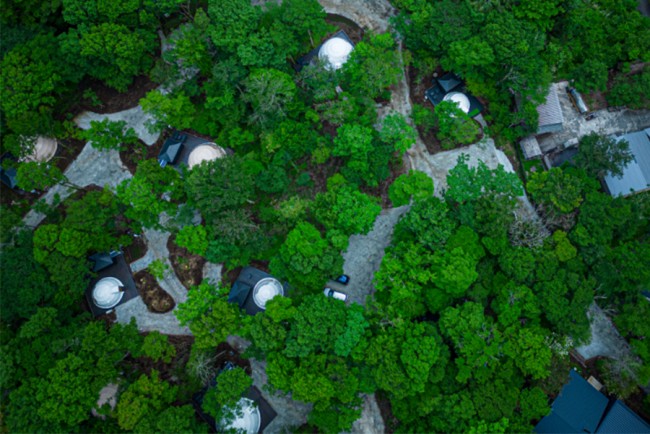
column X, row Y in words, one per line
column 329, row 292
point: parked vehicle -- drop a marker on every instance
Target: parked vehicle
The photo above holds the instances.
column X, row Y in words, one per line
column 343, row 279
column 329, row 292
column 577, row 100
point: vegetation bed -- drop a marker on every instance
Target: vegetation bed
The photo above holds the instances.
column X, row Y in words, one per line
column 156, row 299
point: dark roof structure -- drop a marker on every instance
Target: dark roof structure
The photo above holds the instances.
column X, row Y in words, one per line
column 580, row 408
column 120, row 270
column 103, row 260
column 242, row 290
column 8, row 170
column 171, row 148
column 620, row 419
column 451, row 83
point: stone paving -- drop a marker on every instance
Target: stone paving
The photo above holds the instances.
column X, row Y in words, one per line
column 365, row 252
column 135, row 118
column 369, row 14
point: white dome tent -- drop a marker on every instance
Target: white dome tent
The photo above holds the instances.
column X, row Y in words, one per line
column 460, row 99
column 205, row 152
column 248, row 417
column 43, row 150
column 265, row 290
column 108, row 292
column 335, row 52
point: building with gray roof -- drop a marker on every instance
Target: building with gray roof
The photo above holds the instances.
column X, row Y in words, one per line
column 636, row 174
column 551, row 119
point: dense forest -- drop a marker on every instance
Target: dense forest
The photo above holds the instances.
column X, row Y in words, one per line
column 476, row 305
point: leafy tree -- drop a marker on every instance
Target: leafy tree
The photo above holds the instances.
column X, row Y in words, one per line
column 414, row 185
column 110, row 52
column 345, row 208
column 209, row 315
column 632, row 91
column 373, row 66
column 454, row 126
column 107, row 134
column 151, row 191
column 306, row 259
column 180, row 420
column 599, row 155
column 469, row 183
column 366, row 162
column 175, row 110
column 193, row 238
column 156, row 346
column 25, row 283
column 144, row 399
column 32, row 175
column 270, row 93
column 561, row 190
column 33, row 75
column 220, row 401
column 397, row 132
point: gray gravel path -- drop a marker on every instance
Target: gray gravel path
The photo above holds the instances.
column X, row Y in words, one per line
column 91, row 167
column 135, row 118
column 365, row 252
column 369, row 14
column 605, row 339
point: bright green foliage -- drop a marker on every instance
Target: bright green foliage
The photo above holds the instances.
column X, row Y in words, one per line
column 475, row 338
column 110, row 52
column 414, row 185
column 175, row 110
column 469, row 183
column 149, row 193
column 346, row 209
column 33, row 74
column 181, row 420
column 32, row 175
column 563, row 248
column 454, row 126
column 269, row 92
column 428, row 223
column 90, row 225
column 107, row 134
column 144, row 399
column 156, row 346
column 561, row 190
column 221, row 400
column 529, row 349
column 209, row 315
column 599, row 155
column 395, row 131
column 405, row 357
column 632, row 92
column 25, row 283
column 367, row 161
column 306, row 259
column 373, row 66
column 193, row 238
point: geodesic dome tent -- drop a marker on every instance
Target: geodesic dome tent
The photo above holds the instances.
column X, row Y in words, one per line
column 335, row 52
column 460, row 99
column 247, row 418
column 265, row 290
column 43, row 150
column 205, row 152
column 108, row 292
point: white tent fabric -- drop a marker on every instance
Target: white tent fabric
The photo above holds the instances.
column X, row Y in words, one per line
column 460, row 99
column 107, row 293
column 249, row 420
column 43, row 151
column 205, row 152
column 335, row 52
column 265, row 290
